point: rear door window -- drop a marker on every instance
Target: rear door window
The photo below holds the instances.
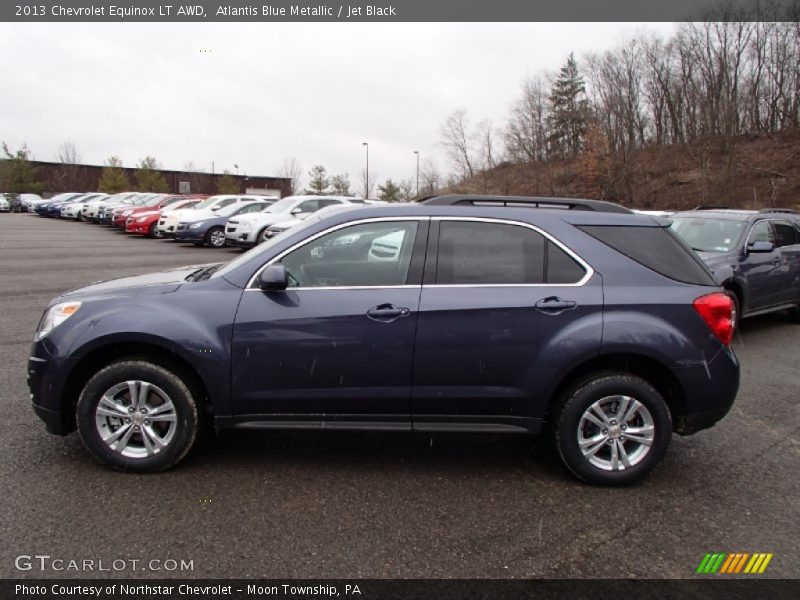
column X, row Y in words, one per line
column 485, row 253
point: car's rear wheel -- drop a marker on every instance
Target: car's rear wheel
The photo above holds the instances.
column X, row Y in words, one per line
column 137, row 416
column 612, row 428
column 215, row 237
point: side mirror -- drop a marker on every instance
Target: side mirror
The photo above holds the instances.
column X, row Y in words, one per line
column 296, row 211
column 761, row 247
column 273, row 279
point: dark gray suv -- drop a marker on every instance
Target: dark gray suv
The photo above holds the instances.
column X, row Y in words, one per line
column 574, row 318
column 755, row 255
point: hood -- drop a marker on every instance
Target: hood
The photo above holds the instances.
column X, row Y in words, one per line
column 181, row 213
column 144, row 213
column 162, row 282
column 263, row 218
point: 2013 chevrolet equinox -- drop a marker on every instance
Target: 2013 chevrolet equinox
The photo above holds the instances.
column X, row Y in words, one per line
column 475, row 314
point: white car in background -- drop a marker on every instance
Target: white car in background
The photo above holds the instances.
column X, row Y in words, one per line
column 91, row 210
column 279, row 228
column 248, row 230
column 5, row 205
column 168, row 222
column 75, row 206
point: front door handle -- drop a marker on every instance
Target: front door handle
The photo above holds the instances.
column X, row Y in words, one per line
column 554, row 305
column 387, row 312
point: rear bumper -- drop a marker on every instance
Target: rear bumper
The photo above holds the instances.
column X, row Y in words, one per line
column 710, row 390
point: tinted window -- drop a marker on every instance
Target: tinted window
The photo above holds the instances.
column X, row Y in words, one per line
column 489, row 253
column 369, row 254
column 561, row 267
column 784, row 233
column 656, row 248
column 308, row 206
column 324, row 203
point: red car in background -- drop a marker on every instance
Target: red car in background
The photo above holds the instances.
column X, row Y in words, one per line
column 145, row 221
column 120, row 218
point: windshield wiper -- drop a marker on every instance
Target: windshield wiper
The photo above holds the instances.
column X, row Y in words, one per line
column 203, row 273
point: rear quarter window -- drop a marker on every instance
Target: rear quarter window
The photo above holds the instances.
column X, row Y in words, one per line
column 657, row 248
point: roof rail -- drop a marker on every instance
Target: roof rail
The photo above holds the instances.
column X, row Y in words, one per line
column 524, row 201
column 790, row 211
column 709, row 207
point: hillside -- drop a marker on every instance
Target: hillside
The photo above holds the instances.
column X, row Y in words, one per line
column 745, row 172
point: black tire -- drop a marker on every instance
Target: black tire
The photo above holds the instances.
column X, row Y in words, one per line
column 153, row 231
column 212, row 240
column 600, row 387
column 260, row 237
column 184, row 427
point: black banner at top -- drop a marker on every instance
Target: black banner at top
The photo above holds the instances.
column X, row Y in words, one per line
column 396, row 10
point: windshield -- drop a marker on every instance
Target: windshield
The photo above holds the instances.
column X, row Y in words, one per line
column 208, row 202
column 708, row 235
column 281, row 205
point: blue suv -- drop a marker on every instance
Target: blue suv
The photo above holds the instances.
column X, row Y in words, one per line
column 755, row 255
column 574, row 318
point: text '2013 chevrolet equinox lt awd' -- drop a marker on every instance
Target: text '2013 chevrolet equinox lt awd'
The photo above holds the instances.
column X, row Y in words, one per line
column 459, row 313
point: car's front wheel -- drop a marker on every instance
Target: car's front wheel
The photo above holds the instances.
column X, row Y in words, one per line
column 215, row 237
column 137, row 416
column 154, row 232
column 612, row 428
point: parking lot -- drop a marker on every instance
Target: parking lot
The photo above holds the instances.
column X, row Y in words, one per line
column 292, row 504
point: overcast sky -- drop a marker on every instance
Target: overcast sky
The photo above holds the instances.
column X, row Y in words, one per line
column 261, row 92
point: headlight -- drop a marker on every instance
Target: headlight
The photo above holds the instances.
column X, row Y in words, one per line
column 196, row 225
column 55, row 316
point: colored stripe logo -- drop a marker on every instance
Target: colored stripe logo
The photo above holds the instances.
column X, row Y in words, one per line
column 734, row 563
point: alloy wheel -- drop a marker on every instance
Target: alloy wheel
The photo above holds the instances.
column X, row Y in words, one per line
column 136, row 419
column 616, row 433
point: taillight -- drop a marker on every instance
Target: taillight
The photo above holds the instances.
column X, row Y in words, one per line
column 716, row 310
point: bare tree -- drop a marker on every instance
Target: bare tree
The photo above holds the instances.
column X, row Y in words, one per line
column 526, row 132
column 68, row 153
column 68, row 174
column 291, row 169
column 368, row 186
column 430, row 179
column 457, row 141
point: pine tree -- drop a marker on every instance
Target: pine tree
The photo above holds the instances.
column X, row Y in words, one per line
column 341, row 184
column 389, row 191
column 227, row 184
column 319, row 182
column 113, row 178
column 148, row 177
column 17, row 172
column 568, row 111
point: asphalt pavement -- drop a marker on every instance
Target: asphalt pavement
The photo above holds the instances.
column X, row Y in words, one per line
column 345, row 505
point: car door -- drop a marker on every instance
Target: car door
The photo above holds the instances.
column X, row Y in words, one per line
column 788, row 246
column 503, row 307
column 761, row 269
column 335, row 347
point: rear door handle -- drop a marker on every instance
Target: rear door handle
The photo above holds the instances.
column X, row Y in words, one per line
column 387, row 312
column 554, row 305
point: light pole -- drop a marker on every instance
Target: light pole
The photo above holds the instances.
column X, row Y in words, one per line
column 366, row 178
column 237, row 169
column 417, row 153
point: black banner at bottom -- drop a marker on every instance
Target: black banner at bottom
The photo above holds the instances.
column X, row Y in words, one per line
column 381, row 589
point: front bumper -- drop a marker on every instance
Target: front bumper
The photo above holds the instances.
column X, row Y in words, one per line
column 47, row 377
column 190, row 235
